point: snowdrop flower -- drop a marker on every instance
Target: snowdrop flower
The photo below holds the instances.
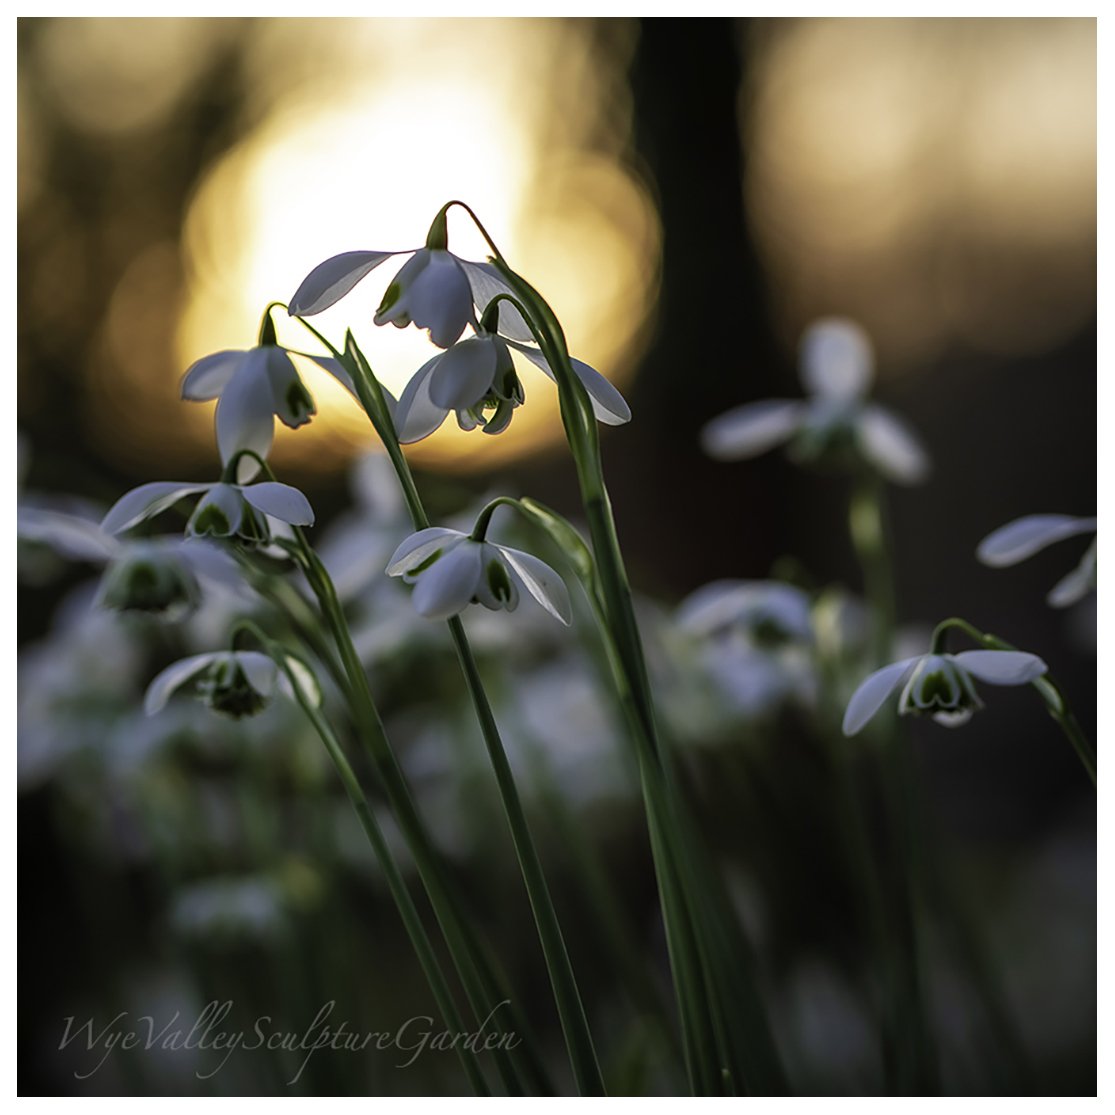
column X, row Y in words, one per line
column 1024, row 537
column 431, row 289
column 757, row 641
column 478, row 375
column 837, row 420
column 940, row 684
column 451, row 570
column 237, row 683
column 158, row 576
column 224, row 511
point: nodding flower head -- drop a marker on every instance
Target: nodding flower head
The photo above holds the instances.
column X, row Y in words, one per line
column 1024, row 537
column 835, row 424
column 234, row 683
column 940, row 685
column 451, row 570
column 150, row 578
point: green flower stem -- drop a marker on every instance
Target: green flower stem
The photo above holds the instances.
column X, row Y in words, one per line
column 1051, row 693
column 480, row 986
column 567, row 996
column 694, row 927
column 574, row 1022
column 399, row 892
column 914, row 1059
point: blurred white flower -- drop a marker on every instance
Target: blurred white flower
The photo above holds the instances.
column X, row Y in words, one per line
column 940, row 684
column 836, row 421
column 1024, row 537
column 225, row 511
column 451, row 570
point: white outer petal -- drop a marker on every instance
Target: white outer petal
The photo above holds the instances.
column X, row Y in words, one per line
column 1000, row 667
column 1076, row 584
column 542, row 582
column 836, row 359
column 415, row 549
column 439, row 299
column 873, row 692
column 280, row 501
column 206, row 378
column 417, row 416
column 486, row 282
column 337, row 370
column 330, row 281
column 752, row 429
column 448, row 586
column 464, row 374
column 174, row 677
column 608, row 405
column 1024, row 537
column 259, row 669
column 145, row 502
column 889, row 444
column 245, row 414
column 69, row 535
column 281, row 376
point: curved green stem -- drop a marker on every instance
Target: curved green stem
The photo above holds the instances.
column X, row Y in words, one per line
column 399, row 892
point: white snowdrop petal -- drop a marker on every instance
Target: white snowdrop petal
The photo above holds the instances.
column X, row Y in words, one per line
column 338, row 371
column 448, row 586
column 259, row 669
column 417, row 416
column 304, row 678
column 1000, row 667
column 486, row 282
column 836, row 359
column 889, row 444
column 245, row 414
column 330, row 281
column 439, row 299
column 415, row 549
column 174, row 677
column 464, row 374
column 873, row 692
column 71, row 536
column 289, row 398
column 608, row 405
column 145, row 502
column 751, row 429
column 1076, row 584
column 206, row 378
column 280, row 501
column 1022, row 538
column 541, row 581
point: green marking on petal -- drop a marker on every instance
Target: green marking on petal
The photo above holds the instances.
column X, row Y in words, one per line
column 390, row 297
column 300, row 402
column 424, row 564
column 498, row 581
column 209, row 519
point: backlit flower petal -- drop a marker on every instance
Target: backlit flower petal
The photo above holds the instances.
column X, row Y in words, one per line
column 1001, row 667
column 259, row 669
column 438, row 299
column 413, row 551
column 206, row 378
column 751, row 429
column 245, row 414
column 542, row 582
column 464, row 374
column 486, row 282
column 280, row 501
column 330, row 281
column 1076, row 585
column 145, row 502
column 873, row 692
column 291, row 402
column 608, row 404
column 69, row 535
column 338, row 371
column 890, row 445
column 417, row 416
column 1024, row 537
column 836, row 359
column 174, row 677
column 448, row 586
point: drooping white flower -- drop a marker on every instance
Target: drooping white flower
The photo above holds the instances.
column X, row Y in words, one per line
column 431, row 289
column 451, row 570
column 234, row 682
column 837, row 420
column 940, row 684
column 158, row 576
column 477, row 375
column 253, row 387
column 1024, row 537
column 224, row 511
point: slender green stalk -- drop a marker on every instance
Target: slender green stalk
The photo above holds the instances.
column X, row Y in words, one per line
column 1051, row 693
column 399, row 892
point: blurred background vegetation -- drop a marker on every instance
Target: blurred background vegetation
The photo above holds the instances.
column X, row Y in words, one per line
column 689, row 194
